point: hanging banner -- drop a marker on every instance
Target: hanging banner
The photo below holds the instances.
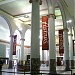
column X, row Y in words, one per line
column 45, row 40
column 61, row 48
column 14, row 44
column 73, row 47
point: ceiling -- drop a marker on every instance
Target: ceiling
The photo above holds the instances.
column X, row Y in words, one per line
column 21, row 10
column 70, row 5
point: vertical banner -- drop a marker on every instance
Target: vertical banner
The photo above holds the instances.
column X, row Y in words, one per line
column 73, row 48
column 61, row 48
column 45, row 39
column 14, row 44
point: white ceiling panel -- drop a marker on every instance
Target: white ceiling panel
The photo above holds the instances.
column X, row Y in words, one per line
column 21, row 9
column 17, row 7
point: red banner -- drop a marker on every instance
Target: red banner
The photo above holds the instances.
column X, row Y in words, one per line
column 73, row 47
column 61, row 48
column 45, row 40
column 14, row 45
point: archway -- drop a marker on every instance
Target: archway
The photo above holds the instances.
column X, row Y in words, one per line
column 16, row 57
column 10, row 25
column 4, row 38
column 4, row 29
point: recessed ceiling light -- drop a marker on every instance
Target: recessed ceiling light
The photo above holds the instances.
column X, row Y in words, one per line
column 26, row 16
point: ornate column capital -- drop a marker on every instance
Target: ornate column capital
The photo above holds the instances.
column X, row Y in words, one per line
column 22, row 39
column 11, row 36
column 65, row 29
column 70, row 34
column 30, row 1
column 51, row 15
column 40, row 1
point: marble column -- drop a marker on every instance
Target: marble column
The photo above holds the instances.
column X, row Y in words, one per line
column 74, row 32
column 11, row 52
column 47, row 57
column 66, row 43
column 22, row 51
column 52, row 50
column 35, row 41
column 66, row 49
column 71, row 46
column 22, row 54
column 74, row 39
column 42, row 56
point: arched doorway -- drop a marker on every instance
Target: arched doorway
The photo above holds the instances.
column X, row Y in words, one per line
column 4, row 40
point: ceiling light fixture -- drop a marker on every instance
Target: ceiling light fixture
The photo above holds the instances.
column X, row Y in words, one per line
column 69, row 21
column 26, row 16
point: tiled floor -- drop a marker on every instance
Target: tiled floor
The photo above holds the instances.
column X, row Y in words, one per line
column 60, row 70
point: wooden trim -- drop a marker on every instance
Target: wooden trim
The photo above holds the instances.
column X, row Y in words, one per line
column 3, row 41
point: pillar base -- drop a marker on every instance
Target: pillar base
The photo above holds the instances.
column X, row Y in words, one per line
column 72, row 64
column 10, row 64
column 23, row 66
column 43, row 62
column 67, row 69
column 21, row 62
column 67, row 65
column 53, row 66
column 35, row 66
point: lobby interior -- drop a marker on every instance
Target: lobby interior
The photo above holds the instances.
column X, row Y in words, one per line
column 20, row 17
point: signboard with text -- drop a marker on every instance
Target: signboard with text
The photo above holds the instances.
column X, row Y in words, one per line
column 45, row 39
column 74, row 47
column 14, row 44
column 61, row 48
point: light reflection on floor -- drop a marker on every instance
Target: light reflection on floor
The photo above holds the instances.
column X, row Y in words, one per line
column 43, row 68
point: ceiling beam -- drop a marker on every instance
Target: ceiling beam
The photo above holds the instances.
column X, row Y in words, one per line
column 6, row 12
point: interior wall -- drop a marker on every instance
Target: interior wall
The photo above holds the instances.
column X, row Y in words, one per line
column 2, row 50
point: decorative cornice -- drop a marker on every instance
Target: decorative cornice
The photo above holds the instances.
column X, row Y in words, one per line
column 52, row 15
column 22, row 39
column 40, row 1
column 30, row 1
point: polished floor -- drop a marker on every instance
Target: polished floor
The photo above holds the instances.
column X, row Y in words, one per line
column 43, row 68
